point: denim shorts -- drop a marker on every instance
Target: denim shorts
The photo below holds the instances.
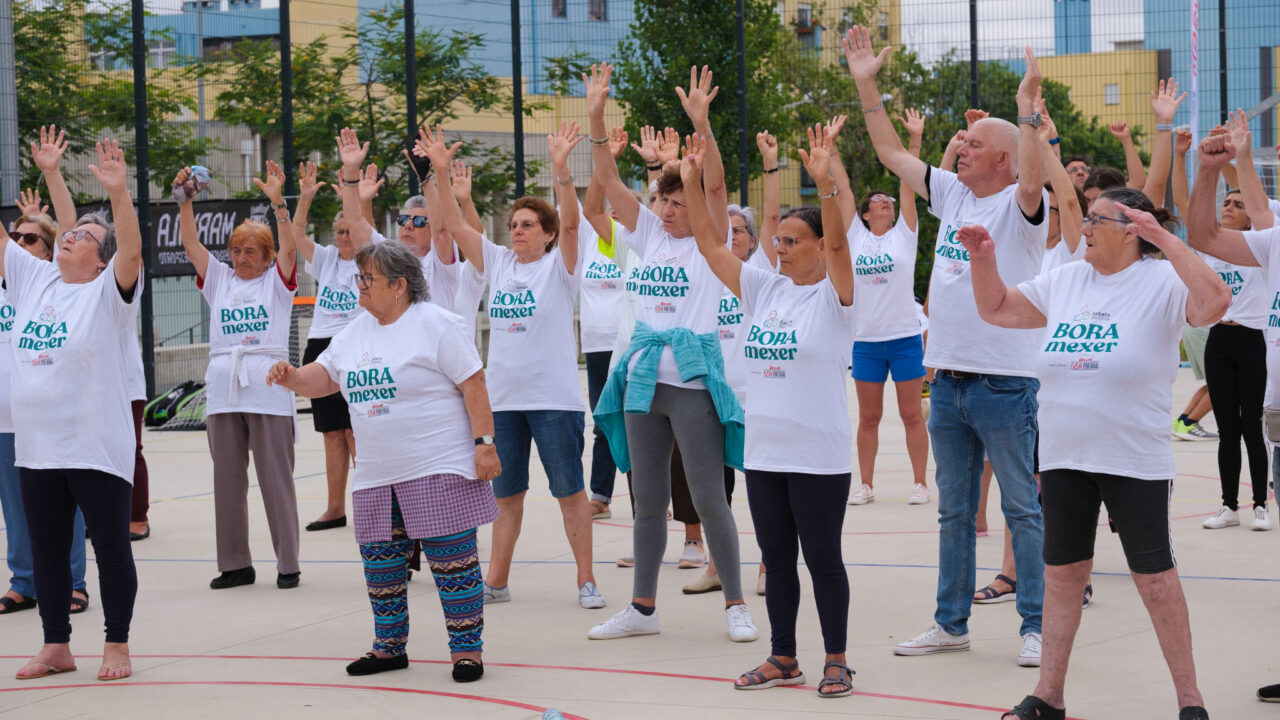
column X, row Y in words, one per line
column 872, row 361
column 559, row 435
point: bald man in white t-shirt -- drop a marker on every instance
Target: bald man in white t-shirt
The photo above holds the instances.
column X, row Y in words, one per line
column 983, row 397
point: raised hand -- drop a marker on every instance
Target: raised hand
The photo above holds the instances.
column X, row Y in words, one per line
column 282, row 374
column 972, row 116
column 977, row 241
column 1030, row 84
column 433, row 145
column 1216, row 151
column 53, row 143
column 957, row 140
column 1238, row 130
column 697, row 101
column 370, row 183
column 768, row 145
column 1120, row 130
column 1048, row 130
column 836, row 124
column 110, row 170
column 617, row 142
column 597, row 88
column 668, row 146
column 913, row 121
column 28, row 203
column 1165, row 101
column 274, row 184
column 817, row 161
column 350, row 150
column 308, row 185
column 648, row 147
column 460, row 179
column 695, row 149
column 560, row 144
column 864, row 63
column 1182, row 141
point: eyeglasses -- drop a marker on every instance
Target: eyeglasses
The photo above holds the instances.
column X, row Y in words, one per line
column 418, row 220
column 341, row 231
column 789, row 242
column 364, row 280
column 882, row 198
column 25, row 238
column 1080, row 170
column 1095, row 218
column 77, row 235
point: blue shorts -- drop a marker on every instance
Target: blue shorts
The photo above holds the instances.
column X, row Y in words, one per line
column 872, row 361
column 559, row 435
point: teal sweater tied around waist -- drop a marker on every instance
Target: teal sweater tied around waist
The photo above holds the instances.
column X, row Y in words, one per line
column 697, row 358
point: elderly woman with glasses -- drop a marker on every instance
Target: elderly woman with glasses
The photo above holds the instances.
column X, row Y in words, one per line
column 1107, row 361
column 69, row 402
column 420, row 411
column 250, row 305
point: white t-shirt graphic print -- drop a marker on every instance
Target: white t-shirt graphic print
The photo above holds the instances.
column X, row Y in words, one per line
column 884, row 270
column 337, row 297
column 1106, row 360
column 958, row 338
column 600, row 299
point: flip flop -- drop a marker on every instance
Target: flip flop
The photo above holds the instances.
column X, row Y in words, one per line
column 9, row 605
column 110, row 668
column 45, row 670
column 989, row 595
column 79, row 605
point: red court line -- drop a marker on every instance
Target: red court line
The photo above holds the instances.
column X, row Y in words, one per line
column 570, row 668
column 268, row 683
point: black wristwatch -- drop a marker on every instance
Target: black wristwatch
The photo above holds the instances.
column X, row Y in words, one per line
column 484, row 440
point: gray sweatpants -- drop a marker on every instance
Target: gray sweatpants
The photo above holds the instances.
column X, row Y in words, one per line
column 270, row 437
column 690, row 416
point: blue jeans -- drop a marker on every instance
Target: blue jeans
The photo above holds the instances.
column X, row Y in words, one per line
column 15, row 527
column 995, row 413
column 558, row 434
column 603, row 470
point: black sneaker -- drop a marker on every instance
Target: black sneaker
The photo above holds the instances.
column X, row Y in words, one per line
column 369, row 664
column 287, row 581
column 1270, row 693
column 234, row 578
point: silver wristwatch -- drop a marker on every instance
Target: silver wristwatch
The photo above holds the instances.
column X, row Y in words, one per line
column 1033, row 120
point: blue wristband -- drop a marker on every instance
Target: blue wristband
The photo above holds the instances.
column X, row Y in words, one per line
column 1055, row 141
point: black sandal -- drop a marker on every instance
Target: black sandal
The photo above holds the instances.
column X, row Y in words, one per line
column 79, row 605
column 467, row 670
column 9, row 605
column 756, row 680
column 1033, row 708
column 844, row 678
column 1193, row 712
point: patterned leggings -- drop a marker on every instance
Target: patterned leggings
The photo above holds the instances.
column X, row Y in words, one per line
column 455, row 564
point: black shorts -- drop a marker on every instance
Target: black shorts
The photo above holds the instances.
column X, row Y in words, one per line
column 1139, row 510
column 329, row 413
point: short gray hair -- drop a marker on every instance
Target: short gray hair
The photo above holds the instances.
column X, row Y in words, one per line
column 749, row 217
column 417, row 202
column 106, row 246
column 395, row 261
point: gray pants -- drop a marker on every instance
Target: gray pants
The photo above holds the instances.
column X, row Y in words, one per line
column 270, row 437
column 690, row 416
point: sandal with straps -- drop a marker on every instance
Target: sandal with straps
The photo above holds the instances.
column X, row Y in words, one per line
column 756, row 680
column 1033, row 708
column 845, row 678
column 989, row 595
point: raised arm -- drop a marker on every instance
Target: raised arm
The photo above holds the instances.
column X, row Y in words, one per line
column 726, row 265
column 1207, row 296
column 656, row 149
column 1137, row 174
column 113, row 175
column 308, row 186
column 273, row 188
column 593, row 206
column 914, row 122
column 441, row 240
column 1164, row 104
column 1030, row 169
column 28, row 203
column 48, row 157
column 460, row 177
column 606, row 168
column 768, row 145
column 817, row 161
column 1204, row 233
column 352, row 153
column 997, row 304
column 559, row 146
column 697, row 105
column 1070, row 214
column 949, row 154
column 1181, row 194
column 1251, row 190
column 470, row 241
column 844, row 189
column 197, row 253
column 310, row 380
column 864, row 65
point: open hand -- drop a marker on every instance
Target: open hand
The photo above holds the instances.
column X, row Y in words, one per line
column 1047, row 130
column 697, row 101
column 460, row 179
column 617, row 142
column 977, row 241
column 1030, row 83
column 1238, row 130
column 432, row 145
column 597, row 84
column 864, row 63
column 560, row 144
column 28, row 203
column 47, row 154
column 111, row 171
column 668, row 146
column 695, row 149
column 1165, row 101
column 350, row 150
column 648, row 147
column 973, row 115
column 817, row 161
column 273, row 185
column 913, row 121
column 308, row 185
column 370, row 183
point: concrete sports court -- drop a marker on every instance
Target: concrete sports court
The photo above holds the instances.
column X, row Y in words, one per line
column 261, row 652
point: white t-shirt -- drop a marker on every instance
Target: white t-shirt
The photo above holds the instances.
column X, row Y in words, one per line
column 1265, row 246
column 884, row 270
column 958, row 338
column 6, row 361
column 1275, row 208
column 337, row 297
column 797, row 352
column 470, row 291
column 1060, row 255
column 732, row 322
column 69, row 387
column 135, row 374
column 533, row 356
column 1107, row 359
column 252, row 315
column 442, row 280
column 400, row 383
column 1249, row 305
column 601, row 295
column 674, row 287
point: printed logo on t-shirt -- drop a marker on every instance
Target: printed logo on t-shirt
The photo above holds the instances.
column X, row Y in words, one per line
column 6, row 318
column 597, row 270
column 949, row 248
column 337, row 300
column 873, row 265
column 1230, row 275
column 1273, row 320
column 48, row 331
column 513, row 301
column 1088, row 332
column 369, row 383
column 244, row 315
column 729, row 318
column 773, row 339
column 661, row 278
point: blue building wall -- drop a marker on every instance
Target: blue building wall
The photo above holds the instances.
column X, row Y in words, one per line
column 1071, row 27
column 242, row 22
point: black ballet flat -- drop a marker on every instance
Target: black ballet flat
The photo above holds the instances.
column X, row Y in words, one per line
column 467, row 670
column 370, row 664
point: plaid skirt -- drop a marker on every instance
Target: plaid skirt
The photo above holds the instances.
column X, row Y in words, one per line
column 431, row 506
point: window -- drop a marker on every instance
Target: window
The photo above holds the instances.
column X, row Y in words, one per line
column 781, row 9
column 558, row 9
column 1111, row 94
column 882, row 27
column 161, row 53
column 105, row 60
column 597, row 11
column 804, row 16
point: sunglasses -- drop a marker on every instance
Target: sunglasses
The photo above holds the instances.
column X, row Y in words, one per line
column 25, row 238
column 418, row 220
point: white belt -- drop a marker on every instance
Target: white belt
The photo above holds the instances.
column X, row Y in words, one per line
column 240, row 371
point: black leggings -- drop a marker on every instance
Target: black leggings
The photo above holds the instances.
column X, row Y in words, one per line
column 1235, row 369
column 50, row 498
column 791, row 507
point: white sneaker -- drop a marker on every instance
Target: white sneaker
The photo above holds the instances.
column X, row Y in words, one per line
column 862, row 496
column 496, row 595
column 933, row 640
column 1225, row 517
column 1030, row 655
column 627, row 560
column 919, row 495
column 589, row 596
column 1261, row 520
column 693, row 556
column 704, row 584
column 741, row 629
column 625, row 624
